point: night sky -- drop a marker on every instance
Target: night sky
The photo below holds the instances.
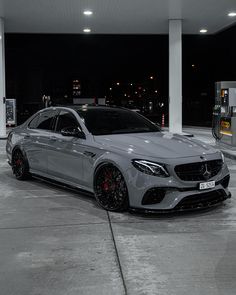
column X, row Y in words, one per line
column 47, row 64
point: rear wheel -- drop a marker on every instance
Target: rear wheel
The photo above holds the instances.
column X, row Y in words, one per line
column 20, row 166
column 110, row 188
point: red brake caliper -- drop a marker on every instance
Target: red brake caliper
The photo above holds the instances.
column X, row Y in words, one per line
column 106, row 183
column 18, row 162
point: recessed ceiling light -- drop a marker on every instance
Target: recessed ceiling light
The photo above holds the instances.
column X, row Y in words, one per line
column 87, row 30
column 232, row 14
column 88, row 12
column 203, row 31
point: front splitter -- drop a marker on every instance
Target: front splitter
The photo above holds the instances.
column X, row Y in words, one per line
column 179, row 210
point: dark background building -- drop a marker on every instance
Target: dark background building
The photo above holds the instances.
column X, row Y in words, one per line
column 119, row 68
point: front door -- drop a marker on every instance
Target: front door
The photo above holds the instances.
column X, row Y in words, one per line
column 65, row 153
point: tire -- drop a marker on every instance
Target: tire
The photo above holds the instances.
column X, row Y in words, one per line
column 110, row 188
column 20, row 166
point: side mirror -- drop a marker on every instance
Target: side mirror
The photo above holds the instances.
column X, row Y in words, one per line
column 71, row 131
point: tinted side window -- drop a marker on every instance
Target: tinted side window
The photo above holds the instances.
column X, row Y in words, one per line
column 34, row 123
column 66, row 119
column 43, row 121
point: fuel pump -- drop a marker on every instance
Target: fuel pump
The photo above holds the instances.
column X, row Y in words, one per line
column 224, row 113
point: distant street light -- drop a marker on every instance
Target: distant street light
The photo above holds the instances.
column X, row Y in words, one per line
column 46, row 100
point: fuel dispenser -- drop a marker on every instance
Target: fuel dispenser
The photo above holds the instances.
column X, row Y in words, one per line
column 224, row 114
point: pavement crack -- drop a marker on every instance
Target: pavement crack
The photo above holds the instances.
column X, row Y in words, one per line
column 117, row 254
column 52, row 225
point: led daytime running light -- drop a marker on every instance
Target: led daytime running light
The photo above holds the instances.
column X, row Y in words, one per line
column 149, row 168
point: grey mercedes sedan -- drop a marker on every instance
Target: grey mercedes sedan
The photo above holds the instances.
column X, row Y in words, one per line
column 125, row 160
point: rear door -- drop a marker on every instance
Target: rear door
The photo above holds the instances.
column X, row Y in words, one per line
column 37, row 139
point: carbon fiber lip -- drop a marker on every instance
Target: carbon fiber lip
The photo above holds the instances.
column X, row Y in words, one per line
column 177, row 210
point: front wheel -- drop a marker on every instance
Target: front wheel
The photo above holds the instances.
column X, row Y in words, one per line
column 110, row 188
column 20, row 166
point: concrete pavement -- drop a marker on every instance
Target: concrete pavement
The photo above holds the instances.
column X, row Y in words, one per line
column 55, row 241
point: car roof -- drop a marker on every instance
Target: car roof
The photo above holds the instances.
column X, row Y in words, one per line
column 88, row 107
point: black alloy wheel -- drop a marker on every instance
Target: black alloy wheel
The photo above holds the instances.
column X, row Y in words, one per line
column 20, row 165
column 110, row 188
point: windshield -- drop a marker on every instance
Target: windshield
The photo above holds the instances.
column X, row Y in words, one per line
column 115, row 121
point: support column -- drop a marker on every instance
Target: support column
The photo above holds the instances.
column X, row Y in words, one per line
column 175, row 76
column 2, row 83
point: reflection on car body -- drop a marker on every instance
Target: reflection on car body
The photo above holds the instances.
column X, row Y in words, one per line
column 121, row 157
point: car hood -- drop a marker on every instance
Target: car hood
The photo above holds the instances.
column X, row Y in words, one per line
column 155, row 144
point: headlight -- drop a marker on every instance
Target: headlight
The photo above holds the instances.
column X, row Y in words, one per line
column 150, row 168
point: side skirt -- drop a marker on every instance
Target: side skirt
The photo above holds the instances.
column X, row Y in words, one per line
column 62, row 183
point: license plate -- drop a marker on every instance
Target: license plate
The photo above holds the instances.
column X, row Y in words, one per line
column 207, row 185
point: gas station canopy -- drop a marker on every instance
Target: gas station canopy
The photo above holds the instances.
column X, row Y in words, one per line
column 173, row 17
column 115, row 16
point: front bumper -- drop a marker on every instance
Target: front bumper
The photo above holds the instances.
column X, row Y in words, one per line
column 191, row 203
column 178, row 195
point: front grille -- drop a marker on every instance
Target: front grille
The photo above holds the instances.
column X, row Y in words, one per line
column 203, row 200
column 200, row 171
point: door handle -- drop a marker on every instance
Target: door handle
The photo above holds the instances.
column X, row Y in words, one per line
column 27, row 136
column 53, row 138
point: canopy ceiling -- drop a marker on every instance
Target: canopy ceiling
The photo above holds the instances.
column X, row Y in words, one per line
column 115, row 16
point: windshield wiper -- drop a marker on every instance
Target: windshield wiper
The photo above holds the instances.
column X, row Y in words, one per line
column 132, row 130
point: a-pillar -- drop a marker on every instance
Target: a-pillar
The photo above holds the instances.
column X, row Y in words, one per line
column 175, row 76
column 2, row 83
